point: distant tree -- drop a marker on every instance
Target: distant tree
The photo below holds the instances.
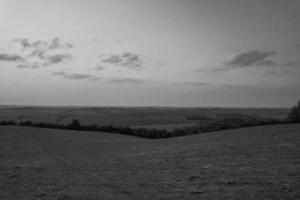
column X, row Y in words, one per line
column 7, row 123
column 294, row 115
column 75, row 124
column 26, row 123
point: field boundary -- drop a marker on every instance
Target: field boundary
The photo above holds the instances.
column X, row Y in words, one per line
column 150, row 133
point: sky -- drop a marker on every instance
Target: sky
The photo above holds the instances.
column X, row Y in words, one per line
column 228, row 53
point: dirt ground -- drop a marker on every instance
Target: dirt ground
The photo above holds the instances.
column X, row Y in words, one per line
column 250, row 163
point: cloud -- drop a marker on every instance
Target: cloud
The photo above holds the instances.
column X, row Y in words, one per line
column 131, row 60
column 286, row 68
column 74, row 76
column 55, row 43
column 265, row 63
column 24, row 42
column 99, row 67
column 39, row 53
column 34, row 54
column 127, row 59
column 249, row 58
column 244, row 59
column 290, row 72
column 58, row 44
column 220, row 69
column 28, row 66
column 94, row 78
column 196, row 83
column 114, row 59
column 232, row 86
column 125, row 81
column 10, row 57
column 293, row 63
column 57, row 58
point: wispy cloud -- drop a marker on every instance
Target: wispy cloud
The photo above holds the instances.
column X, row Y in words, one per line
column 220, row 69
column 250, row 58
column 34, row 54
column 244, row 59
column 55, row 43
column 28, row 66
column 114, row 59
column 196, row 83
column 126, row 81
column 74, row 76
column 58, row 44
column 38, row 53
column 127, row 60
column 10, row 57
column 232, row 86
column 57, row 58
column 286, row 69
column 131, row 61
column 99, row 67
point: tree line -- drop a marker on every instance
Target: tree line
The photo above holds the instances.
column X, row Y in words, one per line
column 208, row 126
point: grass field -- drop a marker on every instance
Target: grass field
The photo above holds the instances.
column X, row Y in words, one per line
column 249, row 163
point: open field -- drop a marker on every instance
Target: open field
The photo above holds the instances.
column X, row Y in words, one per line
column 155, row 117
column 249, row 163
column 168, row 127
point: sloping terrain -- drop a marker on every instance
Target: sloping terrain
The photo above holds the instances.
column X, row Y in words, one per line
column 249, row 163
column 131, row 116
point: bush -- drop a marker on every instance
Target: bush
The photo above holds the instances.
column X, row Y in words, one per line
column 7, row 123
column 26, row 123
column 75, row 125
column 294, row 115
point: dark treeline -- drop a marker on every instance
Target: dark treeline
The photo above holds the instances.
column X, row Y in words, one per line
column 4, row 123
column 294, row 115
column 214, row 125
column 75, row 125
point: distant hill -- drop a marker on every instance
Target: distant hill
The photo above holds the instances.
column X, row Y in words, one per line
column 126, row 116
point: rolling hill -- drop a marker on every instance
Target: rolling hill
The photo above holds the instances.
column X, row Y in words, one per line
column 249, row 163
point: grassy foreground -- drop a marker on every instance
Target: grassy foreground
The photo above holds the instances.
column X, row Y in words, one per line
column 249, row 163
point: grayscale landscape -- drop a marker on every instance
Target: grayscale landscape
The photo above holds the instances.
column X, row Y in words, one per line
column 150, row 100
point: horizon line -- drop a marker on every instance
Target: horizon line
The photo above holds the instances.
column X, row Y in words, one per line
column 145, row 106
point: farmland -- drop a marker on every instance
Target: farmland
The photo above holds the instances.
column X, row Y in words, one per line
column 163, row 117
column 248, row 163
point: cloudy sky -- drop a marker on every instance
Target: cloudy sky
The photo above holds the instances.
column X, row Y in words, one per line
column 150, row 53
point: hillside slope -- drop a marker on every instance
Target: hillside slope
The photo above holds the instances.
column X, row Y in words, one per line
column 129, row 116
column 249, row 163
